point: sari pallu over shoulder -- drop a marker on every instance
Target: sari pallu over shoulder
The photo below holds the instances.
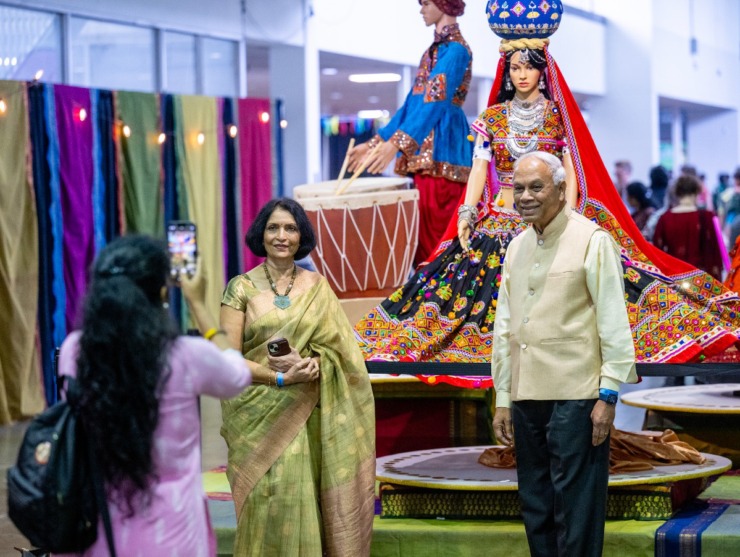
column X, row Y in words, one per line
column 260, row 424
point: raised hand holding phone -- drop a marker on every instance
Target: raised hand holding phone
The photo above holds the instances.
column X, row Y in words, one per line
column 183, row 248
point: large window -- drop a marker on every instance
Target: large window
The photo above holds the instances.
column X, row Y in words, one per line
column 29, row 42
column 59, row 48
column 219, row 63
column 180, row 64
column 112, row 56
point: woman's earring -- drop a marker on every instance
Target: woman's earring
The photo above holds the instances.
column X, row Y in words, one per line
column 542, row 83
column 507, row 85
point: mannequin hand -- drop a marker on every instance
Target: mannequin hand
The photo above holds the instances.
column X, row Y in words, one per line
column 382, row 157
column 357, row 155
column 463, row 234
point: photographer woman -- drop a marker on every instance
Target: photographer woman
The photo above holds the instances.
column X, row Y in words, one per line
column 139, row 382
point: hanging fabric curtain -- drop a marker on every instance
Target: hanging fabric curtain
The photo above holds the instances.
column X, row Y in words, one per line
column 198, row 161
column 74, row 129
column 42, row 192
column 141, row 161
column 256, row 163
column 234, row 239
column 105, row 180
column 21, row 393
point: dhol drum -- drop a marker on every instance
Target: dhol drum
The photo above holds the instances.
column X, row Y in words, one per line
column 366, row 237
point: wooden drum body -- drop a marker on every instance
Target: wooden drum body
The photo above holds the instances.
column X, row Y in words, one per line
column 365, row 238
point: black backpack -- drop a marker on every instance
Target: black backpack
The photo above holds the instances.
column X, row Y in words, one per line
column 55, row 490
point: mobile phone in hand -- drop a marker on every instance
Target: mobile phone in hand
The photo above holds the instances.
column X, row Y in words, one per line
column 278, row 347
column 182, row 246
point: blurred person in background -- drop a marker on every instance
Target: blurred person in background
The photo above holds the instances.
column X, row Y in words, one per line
column 688, row 232
column 658, row 186
column 622, row 177
column 641, row 204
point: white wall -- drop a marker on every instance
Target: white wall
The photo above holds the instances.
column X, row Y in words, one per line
column 393, row 31
column 624, row 122
column 711, row 76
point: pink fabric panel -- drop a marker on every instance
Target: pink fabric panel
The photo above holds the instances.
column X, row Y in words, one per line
column 256, row 164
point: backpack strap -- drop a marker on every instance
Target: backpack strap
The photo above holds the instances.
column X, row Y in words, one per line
column 102, row 502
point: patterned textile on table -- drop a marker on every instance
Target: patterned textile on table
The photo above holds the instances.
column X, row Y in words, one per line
column 445, row 312
column 301, row 457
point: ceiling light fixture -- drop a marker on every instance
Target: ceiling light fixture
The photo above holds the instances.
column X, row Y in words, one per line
column 374, row 77
column 329, row 71
column 372, row 114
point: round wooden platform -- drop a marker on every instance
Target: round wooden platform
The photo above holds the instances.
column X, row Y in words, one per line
column 457, row 468
column 718, row 398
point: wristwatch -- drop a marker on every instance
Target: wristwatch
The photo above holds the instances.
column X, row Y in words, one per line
column 608, row 396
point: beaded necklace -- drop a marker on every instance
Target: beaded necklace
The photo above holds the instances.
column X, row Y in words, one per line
column 524, row 119
column 281, row 300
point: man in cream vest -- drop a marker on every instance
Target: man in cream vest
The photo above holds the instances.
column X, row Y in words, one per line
column 562, row 348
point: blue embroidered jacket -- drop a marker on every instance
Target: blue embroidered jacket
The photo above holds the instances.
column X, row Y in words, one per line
column 431, row 129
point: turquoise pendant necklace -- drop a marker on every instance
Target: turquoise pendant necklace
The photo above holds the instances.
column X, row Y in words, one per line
column 281, row 300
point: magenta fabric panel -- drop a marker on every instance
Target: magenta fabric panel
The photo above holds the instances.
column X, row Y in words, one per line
column 256, row 164
column 76, row 184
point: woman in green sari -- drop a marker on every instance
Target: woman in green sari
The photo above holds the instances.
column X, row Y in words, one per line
column 301, row 439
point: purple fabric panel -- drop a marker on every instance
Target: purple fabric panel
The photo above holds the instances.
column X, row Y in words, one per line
column 76, row 184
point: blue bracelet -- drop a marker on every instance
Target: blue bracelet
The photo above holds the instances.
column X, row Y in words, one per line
column 279, row 379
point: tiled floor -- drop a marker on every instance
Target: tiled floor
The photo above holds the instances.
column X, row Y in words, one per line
column 214, row 454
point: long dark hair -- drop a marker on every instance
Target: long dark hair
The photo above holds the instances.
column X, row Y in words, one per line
column 121, row 366
column 537, row 58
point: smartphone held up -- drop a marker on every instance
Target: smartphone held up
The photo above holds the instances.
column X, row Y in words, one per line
column 183, row 248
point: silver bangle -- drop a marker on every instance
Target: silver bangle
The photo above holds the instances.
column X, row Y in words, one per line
column 464, row 208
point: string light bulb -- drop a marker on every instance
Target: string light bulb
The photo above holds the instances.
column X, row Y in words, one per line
column 38, row 75
column 265, row 117
column 233, row 130
column 82, row 114
column 201, row 138
column 283, row 124
column 126, row 131
column 3, row 106
column 161, row 138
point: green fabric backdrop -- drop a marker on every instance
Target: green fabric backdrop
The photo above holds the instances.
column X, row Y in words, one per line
column 21, row 394
column 141, row 162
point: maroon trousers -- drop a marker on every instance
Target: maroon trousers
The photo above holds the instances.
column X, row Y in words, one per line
column 438, row 202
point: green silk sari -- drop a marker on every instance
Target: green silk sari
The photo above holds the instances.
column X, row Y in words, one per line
column 302, row 457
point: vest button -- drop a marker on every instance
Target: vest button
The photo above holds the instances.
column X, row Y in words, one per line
column 524, row 346
column 531, row 292
column 536, row 265
column 540, row 242
column 526, row 319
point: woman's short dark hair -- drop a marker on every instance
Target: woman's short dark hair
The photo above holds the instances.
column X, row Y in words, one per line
column 639, row 193
column 537, row 59
column 658, row 177
column 256, row 234
column 686, row 185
